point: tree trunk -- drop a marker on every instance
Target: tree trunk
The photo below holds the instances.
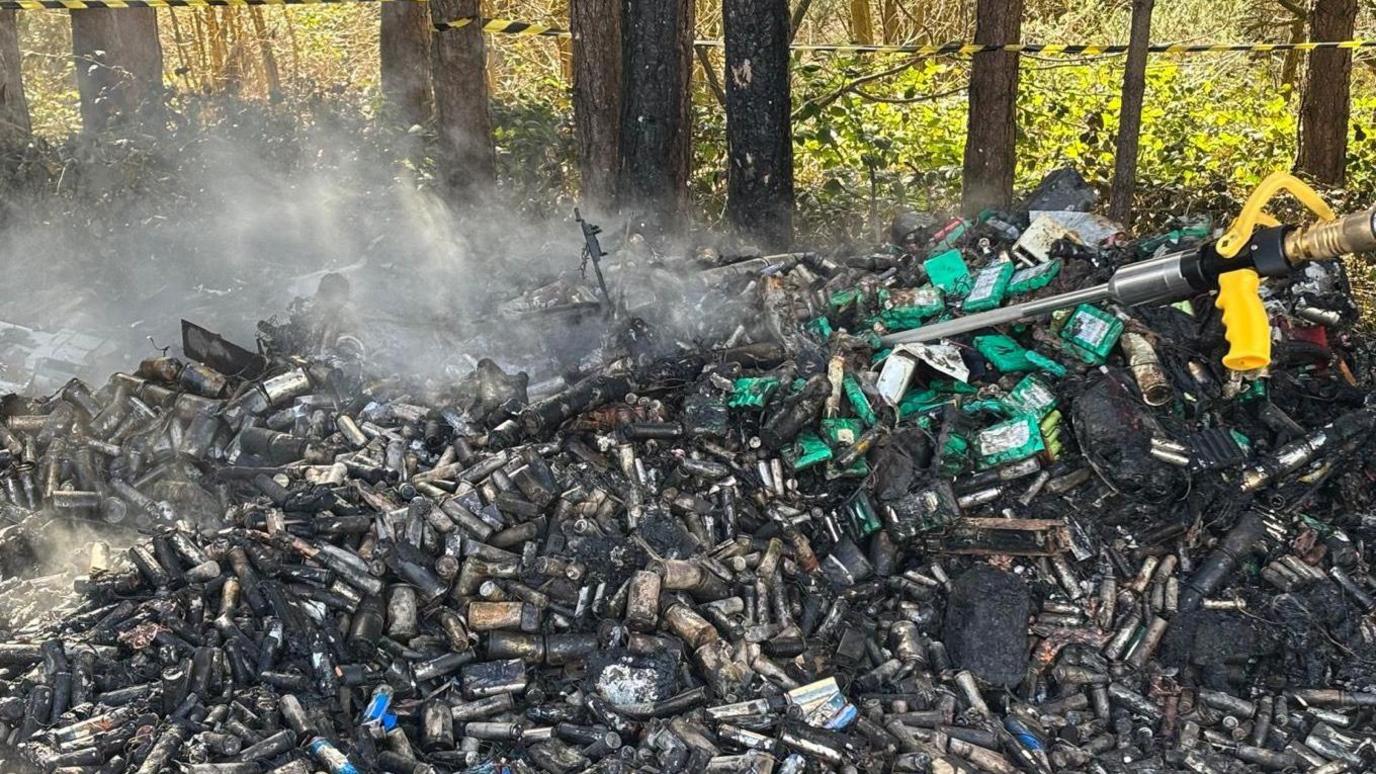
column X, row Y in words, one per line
column 861, row 25
column 1290, row 67
column 596, row 26
column 271, row 76
column 1130, row 117
column 1325, row 108
column 468, row 162
column 990, row 152
column 889, row 21
column 405, row 48
column 14, row 109
column 759, row 138
column 118, row 68
column 656, row 148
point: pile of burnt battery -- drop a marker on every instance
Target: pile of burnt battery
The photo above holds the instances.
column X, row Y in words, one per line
column 1073, row 546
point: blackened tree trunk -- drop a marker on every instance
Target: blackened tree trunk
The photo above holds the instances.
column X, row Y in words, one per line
column 14, row 109
column 655, row 149
column 759, row 137
column 118, row 69
column 1326, row 107
column 596, row 27
column 405, row 48
column 990, row 152
column 468, row 162
column 1130, row 117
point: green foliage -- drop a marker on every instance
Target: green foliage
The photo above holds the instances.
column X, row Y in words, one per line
column 536, row 155
column 1207, row 137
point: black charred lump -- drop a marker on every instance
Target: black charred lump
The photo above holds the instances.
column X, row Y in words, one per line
column 986, row 624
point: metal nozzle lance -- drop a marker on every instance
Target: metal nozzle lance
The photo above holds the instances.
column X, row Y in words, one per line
column 1355, row 233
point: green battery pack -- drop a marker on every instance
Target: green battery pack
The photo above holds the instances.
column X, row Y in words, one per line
column 808, row 450
column 908, row 308
column 752, row 391
column 955, row 455
column 1010, row 441
column 1006, row 355
column 859, row 403
column 927, row 299
column 1197, row 231
column 840, row 300
column 862, row 514
column 1033, row 278
column 1092, row 333
column 842, row 431
column 989, row 288
column 984, row 404
column 1030, row 396
column 949, row 272
column 903, row 318
column 921, row 402
column 839, row 433
column 1046, row 364
column 820, row 327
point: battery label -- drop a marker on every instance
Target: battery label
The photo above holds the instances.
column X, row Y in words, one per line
column 990, row 286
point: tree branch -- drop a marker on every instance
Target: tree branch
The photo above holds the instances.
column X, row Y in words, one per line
column 846, row 88
column 796, row 20
column 1294, row 8
column 865, row 95
column 712, row 83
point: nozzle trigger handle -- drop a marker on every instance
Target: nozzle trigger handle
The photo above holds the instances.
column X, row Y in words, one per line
column 1246, row 326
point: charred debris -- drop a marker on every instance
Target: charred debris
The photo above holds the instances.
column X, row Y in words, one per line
column 735, row 535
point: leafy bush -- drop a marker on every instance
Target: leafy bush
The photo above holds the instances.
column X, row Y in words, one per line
column 1205, row 140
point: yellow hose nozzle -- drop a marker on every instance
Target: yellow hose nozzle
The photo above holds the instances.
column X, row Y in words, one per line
column 1246, row 325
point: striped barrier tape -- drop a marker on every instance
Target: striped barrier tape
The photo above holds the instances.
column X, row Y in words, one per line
column 1052, row 49
column 83, row 5
column 505, row 27
column 531, row 29
column 520, row 28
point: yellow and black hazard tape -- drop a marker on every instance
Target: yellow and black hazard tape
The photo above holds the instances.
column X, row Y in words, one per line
column 506, row 27
column 82, row 5
column 1051, row 49
column 529, row 29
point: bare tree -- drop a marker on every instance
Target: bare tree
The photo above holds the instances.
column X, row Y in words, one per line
column 990, row 137
column 656, row 136
column 467, row 159
column 759, row 138
column 1130, row 117
column 118, row 68
column 1326, row 105
column 14, row 109
column 596, row 26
